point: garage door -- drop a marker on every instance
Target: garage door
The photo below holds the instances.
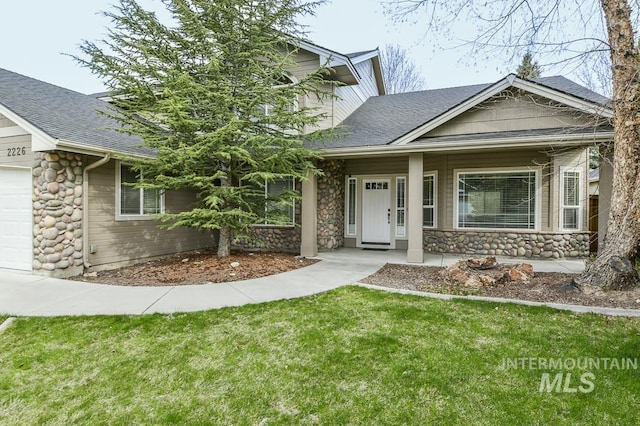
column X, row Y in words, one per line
column 15, row 219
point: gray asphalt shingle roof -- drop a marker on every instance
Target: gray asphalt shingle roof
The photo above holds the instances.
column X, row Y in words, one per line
column 383, row 119
column 71, row 116
column 64, row 114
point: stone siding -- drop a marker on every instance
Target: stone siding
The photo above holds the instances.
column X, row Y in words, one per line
column 273, row 238
column 285, row 239
column 57, row 211
column 514, row 244
column 331, row 193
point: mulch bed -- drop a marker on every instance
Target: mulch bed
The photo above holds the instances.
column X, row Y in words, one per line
column 200, row 267
column 543, row 287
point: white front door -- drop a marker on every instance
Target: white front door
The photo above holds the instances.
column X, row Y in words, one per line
column 376, row 211
column 16, row 218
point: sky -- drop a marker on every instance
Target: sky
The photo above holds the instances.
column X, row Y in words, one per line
column 38, row 35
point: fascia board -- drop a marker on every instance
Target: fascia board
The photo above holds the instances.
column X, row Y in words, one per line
column 563, row 98
column 454, row 112
column 94, row 150
column 470, row 145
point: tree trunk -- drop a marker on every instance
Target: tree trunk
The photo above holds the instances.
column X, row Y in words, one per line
column 623, row 227
column 224, row 241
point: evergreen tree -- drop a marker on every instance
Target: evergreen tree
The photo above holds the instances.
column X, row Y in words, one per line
column 528, row 68
column 210, row 92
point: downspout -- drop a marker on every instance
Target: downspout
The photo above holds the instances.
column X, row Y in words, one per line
column 85, row 207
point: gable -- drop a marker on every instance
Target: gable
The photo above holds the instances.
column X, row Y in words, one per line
column 515, row 110
column 9, row 128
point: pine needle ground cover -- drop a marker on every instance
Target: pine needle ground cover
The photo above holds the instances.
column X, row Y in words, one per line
column 350, row 356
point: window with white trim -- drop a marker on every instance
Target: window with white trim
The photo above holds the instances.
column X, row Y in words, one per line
column 273, row 207
column 401, row 206
column 136, row 202
column 496, row 200
column 570, row 199
column 429, row 200
column 351, row 206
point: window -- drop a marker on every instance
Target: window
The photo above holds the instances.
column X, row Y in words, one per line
column 136, row 201
column 401, row 209
column 351, row 206
column 497, row 200
column 429, row 201
column 571, row 199
column 277, row 212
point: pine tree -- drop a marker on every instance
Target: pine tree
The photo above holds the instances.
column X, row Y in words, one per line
column 528, row 68
column 210, row 92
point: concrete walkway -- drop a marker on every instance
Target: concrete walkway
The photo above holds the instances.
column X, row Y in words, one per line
column 23, row 294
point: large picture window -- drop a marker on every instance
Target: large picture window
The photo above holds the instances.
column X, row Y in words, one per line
column 496, row 200
column 136, row 201
column 571, row 199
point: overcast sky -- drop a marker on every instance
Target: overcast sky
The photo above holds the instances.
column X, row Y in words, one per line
column 36, row 33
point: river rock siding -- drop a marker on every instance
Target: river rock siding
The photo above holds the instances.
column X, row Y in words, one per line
column 536, row 244
column 57, row 214
column 331, row 195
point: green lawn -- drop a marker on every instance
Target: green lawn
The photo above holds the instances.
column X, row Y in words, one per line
column 351, row 356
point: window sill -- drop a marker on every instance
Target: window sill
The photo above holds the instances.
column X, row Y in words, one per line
column 133, row 218
column 266, row 225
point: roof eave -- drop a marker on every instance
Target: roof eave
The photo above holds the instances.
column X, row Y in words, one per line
column 470, row 145
column 83, row 148
column 40, row 140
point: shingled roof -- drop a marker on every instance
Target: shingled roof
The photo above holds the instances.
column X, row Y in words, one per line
column 381, row 120
column 65, row 115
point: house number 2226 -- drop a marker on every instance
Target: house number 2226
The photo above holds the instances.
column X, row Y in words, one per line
column 14, row 152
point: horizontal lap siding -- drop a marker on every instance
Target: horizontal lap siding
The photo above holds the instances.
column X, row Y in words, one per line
column 120, row 241
column 378, row 166
column 9, row 153
column 368, row 84
column 308, row 63
column 502, row 114
column 347, row 102
column 13, row 145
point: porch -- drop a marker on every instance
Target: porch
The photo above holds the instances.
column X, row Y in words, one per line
column 364, row 256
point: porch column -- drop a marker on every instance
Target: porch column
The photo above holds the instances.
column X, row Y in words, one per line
column 309, row 224
column 415, row 251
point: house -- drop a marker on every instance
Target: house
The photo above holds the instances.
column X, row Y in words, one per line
column 64, row 205
column 497, row 169
column 484, row 169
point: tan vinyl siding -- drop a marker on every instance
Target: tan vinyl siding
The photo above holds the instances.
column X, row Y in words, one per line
column 123, row 241
column 368, row 85
column 507, row 113
column 5, row 122
column 348, row 101
column 322, row 105
column 378, row 166
column 351, row 97
column 11, row 151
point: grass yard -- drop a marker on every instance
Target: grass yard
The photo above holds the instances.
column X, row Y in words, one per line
column 350, row 356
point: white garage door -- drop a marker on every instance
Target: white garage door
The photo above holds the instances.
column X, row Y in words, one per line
column 15, row 219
